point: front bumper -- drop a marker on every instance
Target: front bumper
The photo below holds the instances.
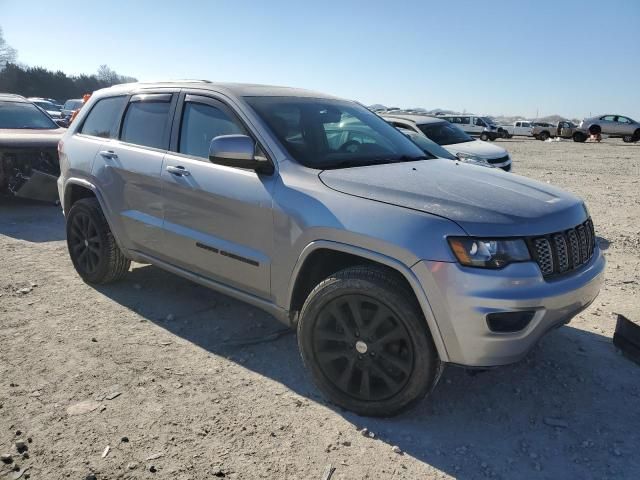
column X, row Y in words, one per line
column 461, row 298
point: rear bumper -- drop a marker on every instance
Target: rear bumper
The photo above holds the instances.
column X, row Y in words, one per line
column 461, row 298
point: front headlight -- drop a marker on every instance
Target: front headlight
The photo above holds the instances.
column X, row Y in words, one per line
column 489, row 253
column 474, row 159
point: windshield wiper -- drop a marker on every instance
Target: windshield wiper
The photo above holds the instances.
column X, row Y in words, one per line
column 375, row 161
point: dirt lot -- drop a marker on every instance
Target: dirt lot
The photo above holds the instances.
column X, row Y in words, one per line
column 151, row 367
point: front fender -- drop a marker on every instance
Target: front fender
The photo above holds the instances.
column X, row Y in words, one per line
column 377, row 257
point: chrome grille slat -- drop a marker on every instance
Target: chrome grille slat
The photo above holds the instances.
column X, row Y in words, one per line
column 562, row 252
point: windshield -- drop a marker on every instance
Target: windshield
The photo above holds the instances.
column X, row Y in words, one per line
column 444, row 133
column 327, row 133
column 48, row 106
column 427, row 146
column 24, row 116
column 488, row 120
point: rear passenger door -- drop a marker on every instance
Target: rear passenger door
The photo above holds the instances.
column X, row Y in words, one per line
column 129, row 167
column 218, row 220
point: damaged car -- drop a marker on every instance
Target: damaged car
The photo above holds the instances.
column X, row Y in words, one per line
column 29, row 138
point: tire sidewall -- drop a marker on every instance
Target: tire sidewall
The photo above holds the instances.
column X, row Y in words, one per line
column 425, row 368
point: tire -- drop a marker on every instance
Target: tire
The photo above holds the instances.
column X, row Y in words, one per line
column 579, row 137
column 484, row 137
column 381, row 360
column 544, row 136
column 595, row 129
column 636, row 136
column 92, row 247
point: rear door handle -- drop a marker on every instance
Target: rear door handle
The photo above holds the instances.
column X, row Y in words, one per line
column 110, row 154
column 178, row 171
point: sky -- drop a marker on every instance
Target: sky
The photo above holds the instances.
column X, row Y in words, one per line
column 567, row 57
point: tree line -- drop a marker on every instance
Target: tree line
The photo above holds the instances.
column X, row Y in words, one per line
column 41, row 82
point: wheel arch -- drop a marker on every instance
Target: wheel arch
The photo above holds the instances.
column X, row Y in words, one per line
column 321, row 258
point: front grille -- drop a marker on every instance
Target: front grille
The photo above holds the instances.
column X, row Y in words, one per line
column 563, row 252
column 498, row 160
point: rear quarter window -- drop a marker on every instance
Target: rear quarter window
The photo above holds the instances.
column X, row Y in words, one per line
column 102, row 120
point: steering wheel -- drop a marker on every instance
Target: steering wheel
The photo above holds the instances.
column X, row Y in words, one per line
column 348, row 146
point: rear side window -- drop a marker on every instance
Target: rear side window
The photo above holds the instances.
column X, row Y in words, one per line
column 103, row 118
column 145, row 124
column 202, row 123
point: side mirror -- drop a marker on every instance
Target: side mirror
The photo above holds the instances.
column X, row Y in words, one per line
column 238, row 151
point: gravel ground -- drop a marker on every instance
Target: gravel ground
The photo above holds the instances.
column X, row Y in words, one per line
column 153, row 368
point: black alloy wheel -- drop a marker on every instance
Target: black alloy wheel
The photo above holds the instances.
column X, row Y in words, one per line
column 363, row 348
column 84, row 242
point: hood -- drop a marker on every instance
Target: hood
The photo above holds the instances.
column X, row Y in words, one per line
column 478, row 148
column 23, row 138
column 483, row 201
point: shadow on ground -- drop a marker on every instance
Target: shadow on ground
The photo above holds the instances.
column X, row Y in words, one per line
column 564, row 412
column 30, row 220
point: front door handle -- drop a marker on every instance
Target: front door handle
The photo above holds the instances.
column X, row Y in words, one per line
column 110, row 154
column 178, row 171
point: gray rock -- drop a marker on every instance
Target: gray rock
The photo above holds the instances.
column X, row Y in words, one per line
column 132, row 465
column 396, row 449
column 6, row 458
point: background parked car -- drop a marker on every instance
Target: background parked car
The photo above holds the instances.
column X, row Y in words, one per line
column 473, row 125
column 452, row 138
column 616, row 126
column 520, row 128
column 29, row 138
column 562, row 129
column 71, row 106
column 52, row 109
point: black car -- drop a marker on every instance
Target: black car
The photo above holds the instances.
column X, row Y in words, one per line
column 29, row 139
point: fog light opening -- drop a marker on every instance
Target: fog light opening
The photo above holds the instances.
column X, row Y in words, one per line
column 509, row 322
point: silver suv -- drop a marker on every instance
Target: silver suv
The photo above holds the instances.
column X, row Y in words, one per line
column 391, row 262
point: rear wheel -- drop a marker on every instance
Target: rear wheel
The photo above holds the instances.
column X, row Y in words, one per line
column 365, row 342
column 579, row 137
column 92, row 247
column 544, row 136
column 595, row 130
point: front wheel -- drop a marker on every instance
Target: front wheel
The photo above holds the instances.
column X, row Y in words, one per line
column 365, row 342
column 544, row 136
column 484, row 137
column 92, row 247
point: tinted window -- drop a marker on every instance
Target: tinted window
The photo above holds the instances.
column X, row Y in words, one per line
column 24, row 115
column 479, row 122
column 624, row 120
column 327, row 133
column 145, row 124
column 608, row 118
column 103, row 118
column 202, row 123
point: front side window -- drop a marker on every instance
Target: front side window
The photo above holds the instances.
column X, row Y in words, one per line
column 22, row 115
column 327, row 133
column 145, row 124
column 444, row 133
column 479, row 122
column 103, row 118
column 201, row 123
column 526, row 124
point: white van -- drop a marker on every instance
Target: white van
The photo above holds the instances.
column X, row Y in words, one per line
column 474, row 125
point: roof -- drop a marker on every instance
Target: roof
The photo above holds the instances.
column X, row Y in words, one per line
column 233, row 89
column 417, row 119
column 12, row 97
